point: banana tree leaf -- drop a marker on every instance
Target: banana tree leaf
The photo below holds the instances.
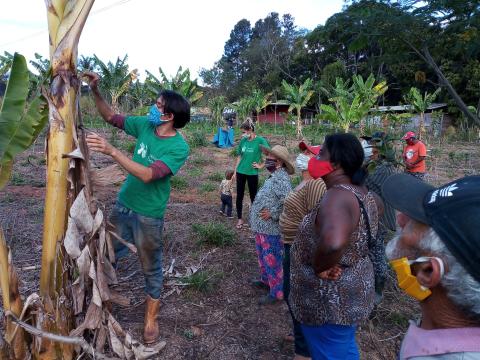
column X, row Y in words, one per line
column 21, row 127
column 14, row 101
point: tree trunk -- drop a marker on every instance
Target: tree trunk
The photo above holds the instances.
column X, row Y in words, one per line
column 458, row 100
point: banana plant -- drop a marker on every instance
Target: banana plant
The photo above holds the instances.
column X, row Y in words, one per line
column 421, row 104
column 243, row 108
column 298, row 97
column 260, row 101
column 116, row 79
column 20, row 122
column 216, row 105
column 368, row 91
column 344, row 112
column 5, row 63
column 181, row 83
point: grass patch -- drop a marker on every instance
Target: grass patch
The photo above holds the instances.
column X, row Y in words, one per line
column 202, row 281
column 199, row 160
column 198, row 138
column 178, row 183
column 216, row 234
column 207, row 187
column 195, row 172
column 217, row 177
column 18, row 179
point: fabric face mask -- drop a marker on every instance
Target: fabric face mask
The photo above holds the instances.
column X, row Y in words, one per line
column 270, row 165
column 155, row 116
column 408, row 282
column 301, row 162
column 319, row 168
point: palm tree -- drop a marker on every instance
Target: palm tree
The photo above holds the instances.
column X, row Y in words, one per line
column 420, row 104
column 297, row 98
column 181, row 83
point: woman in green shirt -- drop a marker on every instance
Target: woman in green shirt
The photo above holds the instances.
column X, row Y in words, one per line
column 248, row 163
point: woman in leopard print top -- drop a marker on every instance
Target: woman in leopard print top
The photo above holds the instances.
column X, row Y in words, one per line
column 332, row 279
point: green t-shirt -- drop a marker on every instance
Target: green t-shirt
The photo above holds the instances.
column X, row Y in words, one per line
column 150, row 199
column 250, row 152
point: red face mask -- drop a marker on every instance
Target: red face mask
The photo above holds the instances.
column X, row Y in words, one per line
column 319, row 168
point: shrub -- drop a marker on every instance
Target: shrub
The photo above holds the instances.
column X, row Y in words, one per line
column 216, row 234
column 178, row 183
column 198, row 138
column 207, row 187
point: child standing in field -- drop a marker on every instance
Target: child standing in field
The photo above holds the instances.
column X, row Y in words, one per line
column 226, row 194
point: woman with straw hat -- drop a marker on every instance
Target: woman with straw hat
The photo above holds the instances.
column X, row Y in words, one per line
column 264, row 221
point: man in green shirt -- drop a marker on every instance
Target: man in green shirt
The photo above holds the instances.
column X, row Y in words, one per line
column 160, row 151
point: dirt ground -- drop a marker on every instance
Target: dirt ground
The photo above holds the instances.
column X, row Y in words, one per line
column 224, row 320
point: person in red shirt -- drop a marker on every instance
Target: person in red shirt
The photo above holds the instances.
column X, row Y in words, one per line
column 414, row 155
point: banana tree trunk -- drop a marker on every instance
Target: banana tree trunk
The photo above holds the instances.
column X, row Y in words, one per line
column 299, row 125
column 421, row 126
column 65, row 23
column 15, row 346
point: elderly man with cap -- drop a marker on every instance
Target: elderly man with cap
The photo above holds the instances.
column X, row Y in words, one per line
column 436, row 256
column 414, row 154
column 264, row 221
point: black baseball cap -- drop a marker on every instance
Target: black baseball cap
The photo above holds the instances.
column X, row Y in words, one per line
column 452, row 210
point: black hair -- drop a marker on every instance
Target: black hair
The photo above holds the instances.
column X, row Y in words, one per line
column 248, row 125
column 176, row 105
column 229, row 174
column 346, row 151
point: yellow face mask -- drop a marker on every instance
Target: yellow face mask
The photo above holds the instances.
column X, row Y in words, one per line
column 408, row 282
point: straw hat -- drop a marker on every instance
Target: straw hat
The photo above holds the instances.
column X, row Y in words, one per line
column 280, row 152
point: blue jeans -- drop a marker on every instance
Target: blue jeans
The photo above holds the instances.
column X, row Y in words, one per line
column 331, row 342
column 146, row 234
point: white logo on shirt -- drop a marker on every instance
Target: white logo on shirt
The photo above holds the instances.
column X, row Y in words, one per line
column 142, row 151
column 410, row 154
column 444, row 192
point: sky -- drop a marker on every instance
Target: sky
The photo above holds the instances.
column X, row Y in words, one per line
column 154, row 33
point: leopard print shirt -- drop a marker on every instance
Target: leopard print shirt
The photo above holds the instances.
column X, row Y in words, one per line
column 347, row 300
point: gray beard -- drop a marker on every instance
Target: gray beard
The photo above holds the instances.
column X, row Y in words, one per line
column 394, row 252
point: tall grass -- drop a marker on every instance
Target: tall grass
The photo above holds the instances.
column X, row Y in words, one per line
column 214, row 233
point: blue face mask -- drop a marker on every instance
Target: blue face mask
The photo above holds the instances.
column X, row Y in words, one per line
column 155, row 116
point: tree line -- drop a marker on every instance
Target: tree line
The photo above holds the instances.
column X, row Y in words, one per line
column 426, row 44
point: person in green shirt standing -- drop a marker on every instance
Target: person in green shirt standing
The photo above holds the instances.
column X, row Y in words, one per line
column 160, row 152
column 248, row 162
